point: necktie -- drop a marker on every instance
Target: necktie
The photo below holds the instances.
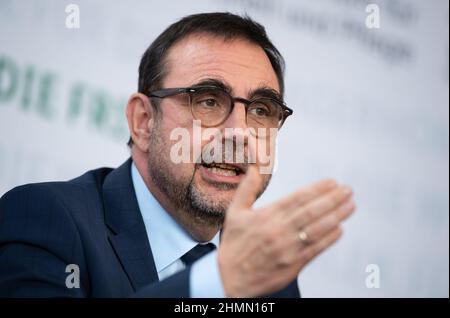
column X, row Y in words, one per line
column 197, row 252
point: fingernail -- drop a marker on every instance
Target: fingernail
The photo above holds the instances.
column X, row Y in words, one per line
column 331, row 183
column 346, row 190
column 349, row 205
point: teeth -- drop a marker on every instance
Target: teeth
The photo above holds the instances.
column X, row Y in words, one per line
column 223, row 166
column 223, row 172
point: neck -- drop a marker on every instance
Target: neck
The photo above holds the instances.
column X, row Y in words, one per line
column 199, row 229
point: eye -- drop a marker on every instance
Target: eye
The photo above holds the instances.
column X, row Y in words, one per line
column 259, row 110
column 208, row 103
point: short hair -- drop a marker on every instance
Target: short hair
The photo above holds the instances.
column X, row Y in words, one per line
column 222, row 24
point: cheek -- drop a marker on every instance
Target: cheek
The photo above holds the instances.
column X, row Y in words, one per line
column 263, row 150
column 174, row 150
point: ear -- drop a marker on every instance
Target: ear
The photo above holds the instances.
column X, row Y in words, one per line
column 140, row 116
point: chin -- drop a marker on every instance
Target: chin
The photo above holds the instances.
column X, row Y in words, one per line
column 217, row 193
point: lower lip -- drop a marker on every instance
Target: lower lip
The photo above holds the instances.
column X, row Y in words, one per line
column 211, row 176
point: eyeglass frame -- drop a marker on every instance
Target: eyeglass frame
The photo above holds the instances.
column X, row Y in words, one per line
column 168, row 92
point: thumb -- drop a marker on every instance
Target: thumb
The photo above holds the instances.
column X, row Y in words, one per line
column 247, row 191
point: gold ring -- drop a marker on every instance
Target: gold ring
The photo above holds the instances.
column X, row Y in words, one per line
column 303, row 237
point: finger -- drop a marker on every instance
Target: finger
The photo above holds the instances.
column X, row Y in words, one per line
column 303, row 195
column 247, row 191
column 315, row 249
column 320, row 206
column 321, row 227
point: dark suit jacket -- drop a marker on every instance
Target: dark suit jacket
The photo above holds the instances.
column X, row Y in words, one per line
column 92, row 221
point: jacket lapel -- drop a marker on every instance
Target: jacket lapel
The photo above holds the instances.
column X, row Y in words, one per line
column 129, row 237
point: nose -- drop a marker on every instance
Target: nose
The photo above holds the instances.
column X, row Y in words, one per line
column 236, row 134
column 237, row 118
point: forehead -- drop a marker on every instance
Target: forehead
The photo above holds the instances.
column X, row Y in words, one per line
column 239, row 63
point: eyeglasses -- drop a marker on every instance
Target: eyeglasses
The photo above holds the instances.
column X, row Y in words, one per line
column 213, row 105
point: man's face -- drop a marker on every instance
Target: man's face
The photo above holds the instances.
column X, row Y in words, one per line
column 203, row 191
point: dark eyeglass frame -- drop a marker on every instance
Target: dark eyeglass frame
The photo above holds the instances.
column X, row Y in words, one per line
column 167, row 92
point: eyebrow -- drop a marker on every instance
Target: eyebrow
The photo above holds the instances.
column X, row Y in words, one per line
column 263, row 91
column 216, row 83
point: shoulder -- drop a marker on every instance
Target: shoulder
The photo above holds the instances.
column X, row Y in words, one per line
column 49, row 209
column 37, row 195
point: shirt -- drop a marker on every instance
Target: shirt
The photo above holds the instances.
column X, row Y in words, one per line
column 169, row 241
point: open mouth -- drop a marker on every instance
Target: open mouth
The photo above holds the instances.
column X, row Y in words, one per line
column 224, row 169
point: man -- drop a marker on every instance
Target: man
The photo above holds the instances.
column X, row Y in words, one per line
column 155, row 227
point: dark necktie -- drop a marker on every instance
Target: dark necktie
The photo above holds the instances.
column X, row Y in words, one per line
column 197, row 252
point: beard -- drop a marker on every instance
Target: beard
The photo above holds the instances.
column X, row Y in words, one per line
column 181, row 191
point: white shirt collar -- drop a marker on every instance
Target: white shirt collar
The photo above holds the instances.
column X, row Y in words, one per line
column 168, row 240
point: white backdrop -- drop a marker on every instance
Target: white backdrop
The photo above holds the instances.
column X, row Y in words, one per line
column 371, row 109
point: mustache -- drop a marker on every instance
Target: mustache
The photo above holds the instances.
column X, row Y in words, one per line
column 226, row 151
